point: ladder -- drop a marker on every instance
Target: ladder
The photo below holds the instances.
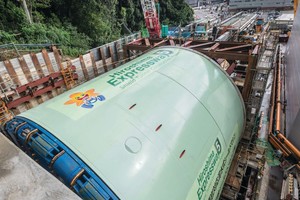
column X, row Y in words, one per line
column 5, row 114
column 67, row 74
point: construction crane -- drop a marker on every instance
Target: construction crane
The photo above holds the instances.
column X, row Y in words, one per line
column 151, row 18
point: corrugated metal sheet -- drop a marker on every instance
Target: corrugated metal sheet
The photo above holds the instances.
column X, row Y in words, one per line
column 293, row 83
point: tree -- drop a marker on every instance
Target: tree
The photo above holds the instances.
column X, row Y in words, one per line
column 95, row 18
column 80, row 24
column 172, row 12
column 176, row 12
column 28, row 15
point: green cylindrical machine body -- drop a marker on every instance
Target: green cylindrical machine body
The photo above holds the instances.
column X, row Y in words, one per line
column 162, row 126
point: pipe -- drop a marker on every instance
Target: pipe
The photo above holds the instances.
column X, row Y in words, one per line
column 277, row 146
column 234, row 16
column 273, row 93
column 249, row 21
column 289, row 145
column 278, row 102
column 280, row 136
column 281, row 146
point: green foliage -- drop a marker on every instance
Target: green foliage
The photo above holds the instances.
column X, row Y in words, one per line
column 72, row 42
column 12, row 17
column 175, row 12
column 172, row 12
column 133, row 17
column 78, row 25
column 95, row 18
column 6, row 38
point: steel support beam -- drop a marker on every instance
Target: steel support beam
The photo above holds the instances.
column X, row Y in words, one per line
column 160, row 43
column 214, row 47
column 201, row 45
column 252, row 62
column 234, row 48
column 225, row 55
column 231, row 51
column 187, row 43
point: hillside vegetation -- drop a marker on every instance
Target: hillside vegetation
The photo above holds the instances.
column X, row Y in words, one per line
column 78, row 25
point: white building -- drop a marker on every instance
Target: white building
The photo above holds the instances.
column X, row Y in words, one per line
column 259, row 4
column 195, row 3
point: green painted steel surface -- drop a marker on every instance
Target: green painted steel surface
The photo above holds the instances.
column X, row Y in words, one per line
column 163, row 126
column 164, row 31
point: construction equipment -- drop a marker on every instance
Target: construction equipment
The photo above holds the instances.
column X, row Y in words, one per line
column 67, row 74
column 5, row 114
column 151, row 18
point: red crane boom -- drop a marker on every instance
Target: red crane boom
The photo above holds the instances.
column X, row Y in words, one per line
column 151, row 18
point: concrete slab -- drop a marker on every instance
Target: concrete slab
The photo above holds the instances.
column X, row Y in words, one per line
column 22, row 178
column 275, row 183
column 286, row 17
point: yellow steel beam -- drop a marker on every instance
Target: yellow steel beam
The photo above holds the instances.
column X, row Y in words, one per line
column 295, row 6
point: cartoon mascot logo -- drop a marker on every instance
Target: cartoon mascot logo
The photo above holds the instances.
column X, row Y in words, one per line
column 85, row 99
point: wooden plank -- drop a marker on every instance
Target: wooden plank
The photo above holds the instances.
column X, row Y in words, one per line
column 28, row 105
column 159, row 43
column 187, row 43
column 39, row 99
column 15, row 111
column 50, row 95
column 47, row 61
column 2, row 84
column 214, row 47
column 126, row 53
column 138, row 41
column 84, row 70
column 111, row 52
column 117, row 54
column 147, row 42
column 25, row 69
column 230, row 69
column 49, row 64
column 172, row 43
column 103, row 58
column 12, row 73
column 114, row 48
column 94, row 64
column 57, row 57
column 37, row 65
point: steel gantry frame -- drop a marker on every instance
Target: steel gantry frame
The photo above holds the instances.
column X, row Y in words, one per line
column 231, row 51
